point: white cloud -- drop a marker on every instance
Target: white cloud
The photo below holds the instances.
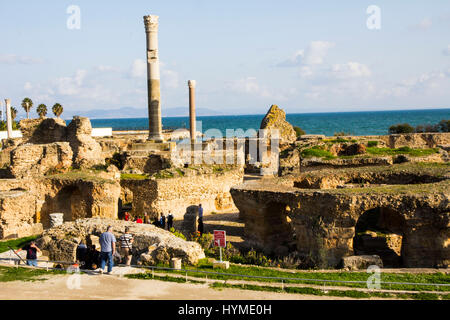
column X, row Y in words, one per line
column 316, row 52
column 422, row 84
column 250, row 86
column 70, row 85
column 138, row 69
column 15, row 59
column 169, row 78
column 350, row 70
column 293, row 61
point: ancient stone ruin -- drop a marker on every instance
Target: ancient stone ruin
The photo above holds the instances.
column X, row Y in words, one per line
column 401, row 214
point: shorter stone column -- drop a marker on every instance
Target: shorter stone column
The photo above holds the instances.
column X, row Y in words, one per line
column 175, row 263
column 8, row 117
column 192, row 117
column 56, row 219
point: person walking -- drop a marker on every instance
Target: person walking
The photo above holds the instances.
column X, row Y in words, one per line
column 162, row 221
column 126, row 241
column 32, row 251
column 146, row 218
column 169, row 221
column 108, row 248
column 200, row 219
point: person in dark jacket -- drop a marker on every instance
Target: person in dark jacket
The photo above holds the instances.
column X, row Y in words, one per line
column 169, row 221
column 162, row 221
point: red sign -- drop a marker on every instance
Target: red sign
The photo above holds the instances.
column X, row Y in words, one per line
column 220, row 239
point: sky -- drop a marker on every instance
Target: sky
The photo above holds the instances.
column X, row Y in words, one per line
column 305, row 56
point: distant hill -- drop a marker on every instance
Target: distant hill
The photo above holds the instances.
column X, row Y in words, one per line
column 131, row 112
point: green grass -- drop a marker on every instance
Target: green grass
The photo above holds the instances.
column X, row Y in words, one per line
column 163, row 174
column 149, row 276
column 8, row 274
column 180, row 172
column 304, row 277
column 317, row 152
column 403, row 150
column 133, row 176
column 334, row 293
column 15, row 243
column 294, row 290
column 88, row 175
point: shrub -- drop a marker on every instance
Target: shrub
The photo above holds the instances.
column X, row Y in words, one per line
column 317, row 152
column 299, row 131
column 401, row 128
column 341, row 133
column 178, row 234
column 444, row 126
column 372, row 144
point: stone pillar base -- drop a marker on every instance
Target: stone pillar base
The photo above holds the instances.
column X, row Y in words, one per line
column 175, row 263
column 221, row 265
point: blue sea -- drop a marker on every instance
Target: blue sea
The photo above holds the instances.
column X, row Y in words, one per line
column 355, row 123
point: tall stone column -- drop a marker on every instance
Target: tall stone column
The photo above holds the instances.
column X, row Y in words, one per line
column 192, row 117
column 153, row 79
column 8, row 117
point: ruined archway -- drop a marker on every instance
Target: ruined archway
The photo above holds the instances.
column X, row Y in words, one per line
column 381, row 231
column 69, row 201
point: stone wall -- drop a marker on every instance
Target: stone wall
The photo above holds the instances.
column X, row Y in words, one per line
column 418, row 140
column 31, row 200
column 156, row 196
column 18, row 214
column 323, row 223
column 38, row 159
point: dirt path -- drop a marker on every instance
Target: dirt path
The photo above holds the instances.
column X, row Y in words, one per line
column 110, row 287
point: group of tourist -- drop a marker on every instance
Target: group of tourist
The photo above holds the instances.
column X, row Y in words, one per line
column 88, row 256
column 162, row 222
column 92, row 259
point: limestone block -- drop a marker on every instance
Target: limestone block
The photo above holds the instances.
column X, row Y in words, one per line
column 276, row 119
column 61, row 241
column 39, row 159
column 56, row 219
column 17, row 211
column 87, row 152
column 361, row 262
column 175, row 263
column 43, row 131
column 221, row 264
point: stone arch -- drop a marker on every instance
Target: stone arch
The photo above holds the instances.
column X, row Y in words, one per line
column 274, row 228
column 70, row 201
column 381, row 231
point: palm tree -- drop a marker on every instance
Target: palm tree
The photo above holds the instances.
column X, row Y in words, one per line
column 57, row 109
column 42, row 110
column 27, row 103
column 13, row 113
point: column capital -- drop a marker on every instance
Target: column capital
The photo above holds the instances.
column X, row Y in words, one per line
column 151, row 23
column 192, row 83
